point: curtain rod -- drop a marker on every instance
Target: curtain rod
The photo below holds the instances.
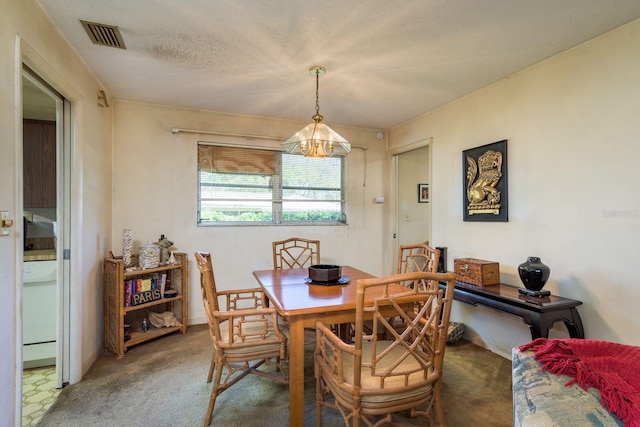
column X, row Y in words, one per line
column 242, row 135
column 239, row 135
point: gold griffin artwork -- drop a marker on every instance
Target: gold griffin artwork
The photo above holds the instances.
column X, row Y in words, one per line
column 482, row 194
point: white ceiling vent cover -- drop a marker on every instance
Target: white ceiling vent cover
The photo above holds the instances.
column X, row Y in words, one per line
column 105, row 35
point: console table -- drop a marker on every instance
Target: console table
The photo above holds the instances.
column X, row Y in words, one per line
column 539, row 313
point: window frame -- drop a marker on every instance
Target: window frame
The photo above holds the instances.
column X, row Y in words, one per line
column 277, row 193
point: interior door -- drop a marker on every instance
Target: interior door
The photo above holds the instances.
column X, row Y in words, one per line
column 42, row 102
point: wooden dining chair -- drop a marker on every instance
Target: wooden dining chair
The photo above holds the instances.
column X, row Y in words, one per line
column 417, row 257
column 412, row 258
column 295, row 252
column 371, row 380
column 245, row 334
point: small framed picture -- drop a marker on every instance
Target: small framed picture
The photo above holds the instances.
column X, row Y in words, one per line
column 423, row 193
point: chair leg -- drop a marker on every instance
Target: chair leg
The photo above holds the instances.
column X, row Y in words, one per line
column 356, row 411
column 211, row 367
column 437, row 405
column 356, row 421
column 319, row 398
column 214, row 395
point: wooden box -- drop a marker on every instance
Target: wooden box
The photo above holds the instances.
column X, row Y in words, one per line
column 477, row 271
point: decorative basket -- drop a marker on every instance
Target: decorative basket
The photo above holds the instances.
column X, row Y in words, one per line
column 149, row 256
column 455, row 332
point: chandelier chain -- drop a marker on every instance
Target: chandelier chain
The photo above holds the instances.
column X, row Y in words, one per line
column 317, row 92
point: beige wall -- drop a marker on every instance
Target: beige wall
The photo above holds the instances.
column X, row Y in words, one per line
column 155, row 192
column 27, row 34
column 572, row 128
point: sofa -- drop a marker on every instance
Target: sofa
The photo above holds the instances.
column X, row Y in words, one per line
column 541, row 399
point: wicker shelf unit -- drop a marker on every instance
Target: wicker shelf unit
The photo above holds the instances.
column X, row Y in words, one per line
column 116, row 314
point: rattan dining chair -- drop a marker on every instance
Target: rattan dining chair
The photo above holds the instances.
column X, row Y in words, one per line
column 295, row 252
column 412, row 259
column 417, row 257
column 245, row 334
column 371, row 380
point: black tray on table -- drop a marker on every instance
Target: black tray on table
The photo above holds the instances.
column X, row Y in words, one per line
column 342, row 280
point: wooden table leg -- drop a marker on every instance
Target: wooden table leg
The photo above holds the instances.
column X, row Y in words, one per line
column 540, row 323
column 296, row 373
column 344, row 332
column 573, row 322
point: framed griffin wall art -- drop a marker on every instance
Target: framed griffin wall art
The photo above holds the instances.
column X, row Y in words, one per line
column 485, row 195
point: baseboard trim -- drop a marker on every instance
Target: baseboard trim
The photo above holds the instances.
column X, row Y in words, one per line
column 476, row 339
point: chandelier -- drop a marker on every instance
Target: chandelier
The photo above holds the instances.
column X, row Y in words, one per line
column 317, row 139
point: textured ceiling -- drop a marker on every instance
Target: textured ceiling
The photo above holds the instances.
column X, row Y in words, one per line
column 387, row 61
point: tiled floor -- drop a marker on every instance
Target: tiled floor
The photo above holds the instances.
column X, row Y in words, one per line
column 38, row 393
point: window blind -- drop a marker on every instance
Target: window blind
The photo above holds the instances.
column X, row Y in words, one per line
column 212, row 158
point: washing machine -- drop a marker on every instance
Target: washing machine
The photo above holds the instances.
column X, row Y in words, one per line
column 39, row 315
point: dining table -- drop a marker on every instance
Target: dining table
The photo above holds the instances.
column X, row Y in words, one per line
column 302, row 304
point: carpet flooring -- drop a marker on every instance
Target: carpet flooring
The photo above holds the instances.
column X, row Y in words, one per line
column 163, row 383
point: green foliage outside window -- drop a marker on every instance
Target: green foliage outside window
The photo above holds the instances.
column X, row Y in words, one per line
column 310, row 191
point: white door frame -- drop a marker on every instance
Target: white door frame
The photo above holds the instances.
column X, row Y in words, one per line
column 392, row 209
column 71, row 359
column 62, row 190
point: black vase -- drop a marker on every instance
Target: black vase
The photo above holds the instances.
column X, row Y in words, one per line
column 533, row 273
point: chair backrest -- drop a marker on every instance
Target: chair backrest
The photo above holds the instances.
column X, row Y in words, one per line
column 209, row 292
column 295, row 253
column 417, row 257
column 414, row 357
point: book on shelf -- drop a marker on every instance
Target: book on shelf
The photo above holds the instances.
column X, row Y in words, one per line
column 142, row 290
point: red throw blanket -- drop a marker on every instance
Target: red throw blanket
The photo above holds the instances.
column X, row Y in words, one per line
column 612, row 368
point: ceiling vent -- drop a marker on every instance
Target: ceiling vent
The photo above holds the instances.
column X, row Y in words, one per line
column 105, row 35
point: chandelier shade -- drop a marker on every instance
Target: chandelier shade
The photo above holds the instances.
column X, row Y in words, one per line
column 317, row 139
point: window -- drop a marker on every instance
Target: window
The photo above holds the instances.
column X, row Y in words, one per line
column 257, row 186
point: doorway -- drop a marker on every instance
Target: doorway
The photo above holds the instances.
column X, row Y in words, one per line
column 411, row 174
column 45, row 142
